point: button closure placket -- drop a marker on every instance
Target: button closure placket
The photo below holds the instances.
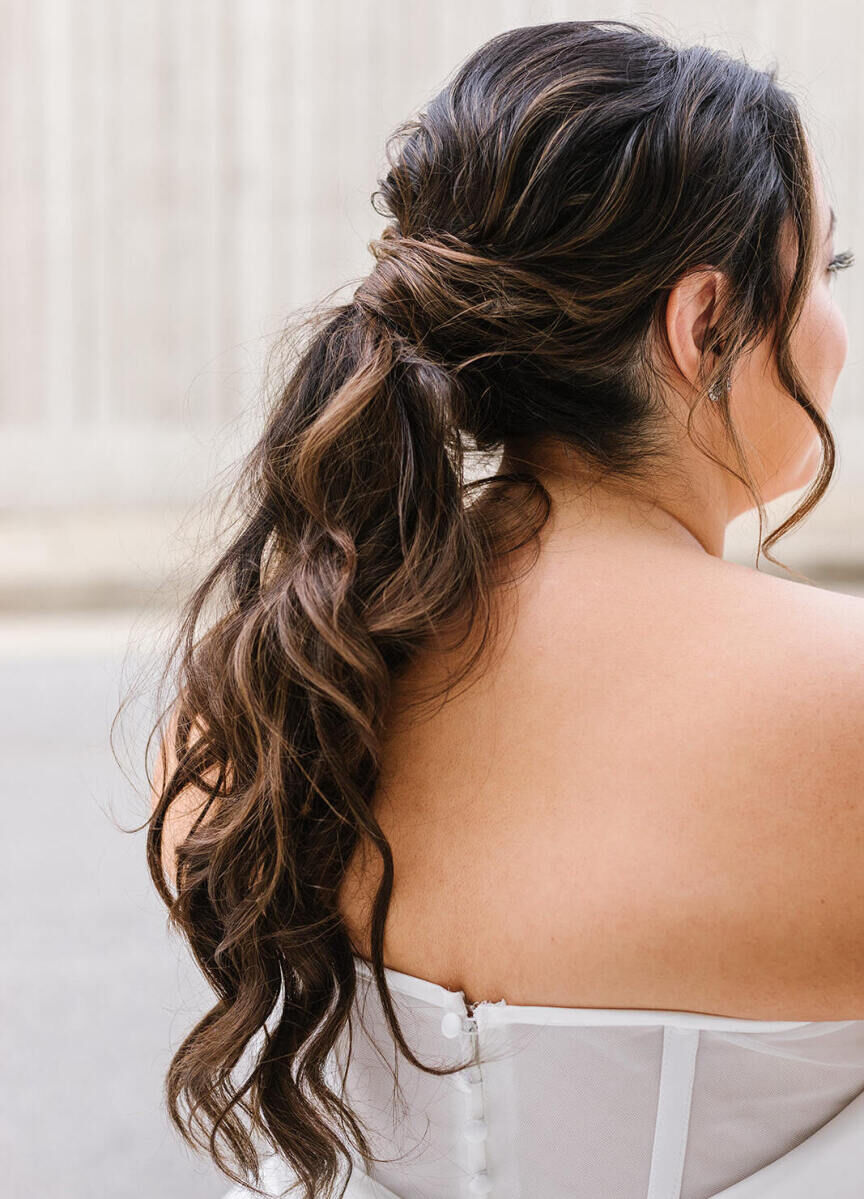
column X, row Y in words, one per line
column 469, row 1083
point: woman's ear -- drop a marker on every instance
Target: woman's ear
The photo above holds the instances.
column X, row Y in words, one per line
column 691, row 311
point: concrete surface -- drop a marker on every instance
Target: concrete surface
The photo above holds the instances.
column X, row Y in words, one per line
column 93, row 993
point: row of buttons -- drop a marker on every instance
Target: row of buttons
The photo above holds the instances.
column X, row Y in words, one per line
column 475, row 1130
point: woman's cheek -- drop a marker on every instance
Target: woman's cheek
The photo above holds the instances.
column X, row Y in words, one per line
column 822, row 345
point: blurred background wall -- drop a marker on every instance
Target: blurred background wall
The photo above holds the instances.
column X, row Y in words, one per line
column 177, row 177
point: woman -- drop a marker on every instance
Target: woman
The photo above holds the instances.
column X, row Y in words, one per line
column 604, row 787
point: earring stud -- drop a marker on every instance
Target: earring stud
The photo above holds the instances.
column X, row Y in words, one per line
column 718, row 390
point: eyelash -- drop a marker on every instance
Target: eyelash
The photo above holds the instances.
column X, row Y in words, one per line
column 841, row 261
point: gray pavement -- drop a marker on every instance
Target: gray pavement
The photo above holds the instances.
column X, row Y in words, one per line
column 94, row 993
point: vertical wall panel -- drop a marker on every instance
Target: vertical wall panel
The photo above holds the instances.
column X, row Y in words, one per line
column 59, row 274
column 177, row 177
column 102, row 215
column 22, row 217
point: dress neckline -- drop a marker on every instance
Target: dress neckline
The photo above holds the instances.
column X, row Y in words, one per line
column 500, row 1011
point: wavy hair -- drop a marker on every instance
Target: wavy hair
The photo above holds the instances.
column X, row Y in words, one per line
column 540, row 209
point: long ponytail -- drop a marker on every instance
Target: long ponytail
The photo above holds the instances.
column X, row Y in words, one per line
column 358, row 548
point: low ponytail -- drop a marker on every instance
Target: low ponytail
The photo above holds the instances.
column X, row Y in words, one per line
column 541, row 207
column 358, row 547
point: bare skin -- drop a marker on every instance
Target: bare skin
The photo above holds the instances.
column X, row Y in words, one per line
column 653, row 797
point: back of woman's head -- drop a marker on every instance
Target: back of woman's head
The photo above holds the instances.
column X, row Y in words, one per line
column 541, row 209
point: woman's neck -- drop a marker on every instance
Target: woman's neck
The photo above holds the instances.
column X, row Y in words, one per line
column 600, row 506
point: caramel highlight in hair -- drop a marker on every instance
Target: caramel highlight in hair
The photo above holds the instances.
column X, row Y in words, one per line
column 540, row 210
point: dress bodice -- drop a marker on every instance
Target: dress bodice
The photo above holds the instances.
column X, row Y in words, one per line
column 590, row 1103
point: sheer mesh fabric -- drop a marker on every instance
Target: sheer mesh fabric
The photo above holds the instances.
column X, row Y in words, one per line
column 756, row 1096
column 585, row 1103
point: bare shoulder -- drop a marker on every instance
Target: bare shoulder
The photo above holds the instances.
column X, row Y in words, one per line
column 807, row 644
column 737, row 736
column 790, row 694
column 693, row 829
column 794, row 596
column 790, row 791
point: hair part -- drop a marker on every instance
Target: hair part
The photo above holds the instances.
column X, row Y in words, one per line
column 541, row 209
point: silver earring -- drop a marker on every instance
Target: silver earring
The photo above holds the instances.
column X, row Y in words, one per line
column 718, row 390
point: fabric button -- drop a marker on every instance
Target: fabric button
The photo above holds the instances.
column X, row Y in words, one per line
column 451, row 1024
column 461, row 1083
column 475, row 1130
column 480, row 1185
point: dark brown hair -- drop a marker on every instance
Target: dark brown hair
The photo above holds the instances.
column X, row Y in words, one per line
column 540, row 210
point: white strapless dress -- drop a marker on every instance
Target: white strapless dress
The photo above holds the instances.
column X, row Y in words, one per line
column 593, row 1103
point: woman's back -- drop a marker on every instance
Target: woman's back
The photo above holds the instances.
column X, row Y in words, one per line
column 611, row 259
column 640, row 802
